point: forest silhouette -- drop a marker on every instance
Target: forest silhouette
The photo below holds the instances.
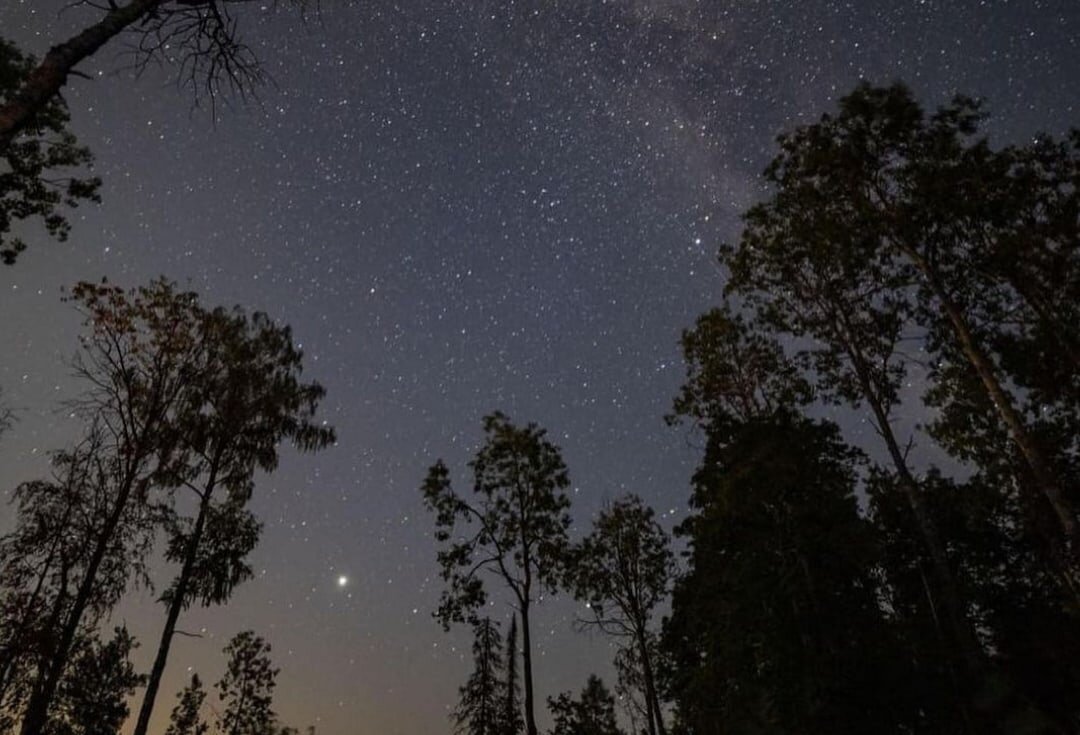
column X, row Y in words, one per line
column 817, row 586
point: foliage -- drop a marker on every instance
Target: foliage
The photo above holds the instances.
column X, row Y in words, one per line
column 939, row 236
column 92, row 699
column 481, row 697
column 775, row 627
column 517, row 527
column 593, row 713
column 186, row 718
column 33, row 184
column 243, row 399
column 246, row 690
column 44, row 561
column 622, row 570
column 520, row 518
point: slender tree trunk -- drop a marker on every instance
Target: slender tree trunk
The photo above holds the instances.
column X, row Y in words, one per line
column 37, row 709
column 963, row 633
column 652, row 701
column 526, row 664
column 176, row 605
column 49, row 77
column 1018, row 432
column 10, row 650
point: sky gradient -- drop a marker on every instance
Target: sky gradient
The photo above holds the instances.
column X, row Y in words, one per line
column 461, row 207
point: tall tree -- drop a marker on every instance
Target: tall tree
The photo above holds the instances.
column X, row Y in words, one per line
column 139, row 360
column 820, row 285
column 593, row 713
column 906, row 204
column 623, row 569
column 249, row 399
column 773, row 625
column 44, row 563
column 247, row 688
column 199, row 36
column 516, row 528
column 36, row 180
column 186, row 716
column 481, row 697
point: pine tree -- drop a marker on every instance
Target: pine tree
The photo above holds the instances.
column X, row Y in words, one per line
column 480, row 700
column 186, row 717
column 247, row 688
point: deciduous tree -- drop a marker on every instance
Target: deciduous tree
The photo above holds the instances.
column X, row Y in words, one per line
column 200, row 36
column 515, row 529
column 243, row 401
column 36, row 174
column 622, row 570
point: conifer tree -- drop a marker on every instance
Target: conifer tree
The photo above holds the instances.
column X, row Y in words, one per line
column 480, row 701
column 247, row 688
column 186, row 716
column 776, row 620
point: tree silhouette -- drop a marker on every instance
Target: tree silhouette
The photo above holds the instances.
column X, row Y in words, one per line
column 517, row 525
column 186, row 718
column 591, row 714
column 776, row 622
column 34, row 184
column 481, row 697
column 901, row 205
column 247, row 688
column 200, row 36
column 92, row 698
column 819, row 284
column 510, row 722
column 142, row 360
column 247, row 397
column 45, row 562
column 622, row 569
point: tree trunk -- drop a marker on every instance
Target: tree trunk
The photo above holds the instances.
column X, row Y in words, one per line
column 49, row 77
column 652, row 701
column 963, row 633
column 37, row 709
column 1018, row 432
column 176, row 605
column 526, row 665
column 9, row 652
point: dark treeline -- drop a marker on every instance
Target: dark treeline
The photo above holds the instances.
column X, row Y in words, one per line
column 835, row 583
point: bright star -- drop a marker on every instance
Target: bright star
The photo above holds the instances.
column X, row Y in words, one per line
column 342, row 581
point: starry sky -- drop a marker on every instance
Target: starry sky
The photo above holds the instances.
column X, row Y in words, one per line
column 463, row 206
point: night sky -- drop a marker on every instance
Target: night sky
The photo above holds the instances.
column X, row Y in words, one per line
column 463, row 206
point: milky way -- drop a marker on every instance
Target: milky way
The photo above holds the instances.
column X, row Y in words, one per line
column 461, row 207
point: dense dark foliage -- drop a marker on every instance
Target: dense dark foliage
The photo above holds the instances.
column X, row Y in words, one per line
column 35, row 168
